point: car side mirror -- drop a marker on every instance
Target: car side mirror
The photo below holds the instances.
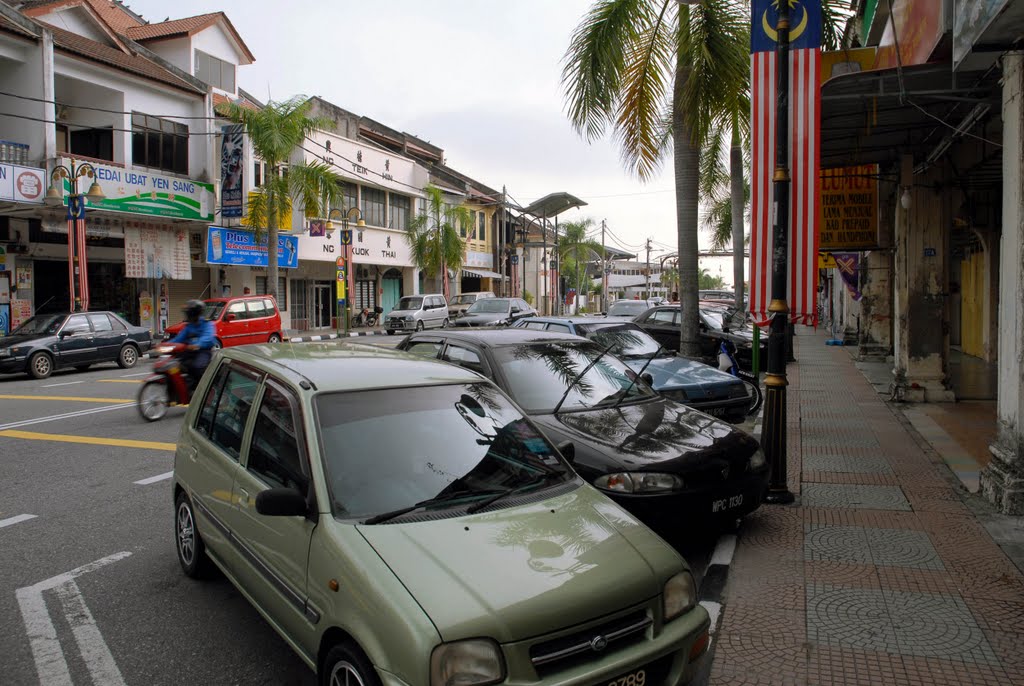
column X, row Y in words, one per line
column 647, row 378
column 72, row 332
column 230, row 317
column 281, row 502
column 568, row 450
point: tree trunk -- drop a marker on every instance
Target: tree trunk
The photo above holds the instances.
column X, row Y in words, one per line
column 272, row 248
column 736, row 178
column 687, row 168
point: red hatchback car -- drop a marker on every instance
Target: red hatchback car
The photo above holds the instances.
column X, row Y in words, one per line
column 241, row 320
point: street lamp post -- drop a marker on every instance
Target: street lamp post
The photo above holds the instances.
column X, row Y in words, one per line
column 78, row 268
column 345, row 278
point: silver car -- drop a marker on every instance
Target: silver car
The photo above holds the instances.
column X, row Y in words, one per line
column 418, row 312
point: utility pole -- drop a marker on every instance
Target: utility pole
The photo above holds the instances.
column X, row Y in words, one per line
column 774, row 427
column 503, row 253
column 647, row 271
column 604, row 271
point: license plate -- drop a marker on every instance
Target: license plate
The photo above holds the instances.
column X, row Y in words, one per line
column 723, row 504
column 638, row 677
column 715, row 411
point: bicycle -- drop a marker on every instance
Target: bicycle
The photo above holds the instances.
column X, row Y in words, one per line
column 727, row 363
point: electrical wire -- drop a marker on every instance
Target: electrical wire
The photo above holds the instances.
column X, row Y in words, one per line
column 105, row 128
column 100, row 109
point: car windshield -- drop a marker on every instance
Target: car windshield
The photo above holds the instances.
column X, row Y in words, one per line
column 713, row 318
column 212, row 310
column 627, row 340
column 464, row 300
column 489, row 306
column 388, row 449
column 40, row 324
column 409, row 304
column 539, row 373
column 627, row 308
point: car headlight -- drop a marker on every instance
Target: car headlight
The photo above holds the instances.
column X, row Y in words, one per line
column 5, row 352
column 639, row 482
column 407, row 318
column 757, row 459
column 679, row 595
column 473, row 662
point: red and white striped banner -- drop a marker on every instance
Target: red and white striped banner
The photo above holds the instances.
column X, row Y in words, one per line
column 83, row 267
column 805, row 186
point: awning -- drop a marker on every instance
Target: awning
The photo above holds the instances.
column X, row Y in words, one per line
column 553, row 204
column 875, row 116
column 483, row 274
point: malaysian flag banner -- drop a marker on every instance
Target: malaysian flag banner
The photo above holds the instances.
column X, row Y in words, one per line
column 804, row 160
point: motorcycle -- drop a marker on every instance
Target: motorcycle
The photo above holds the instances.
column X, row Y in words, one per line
column 167, row 386
column 368, row 317
column 727, row 363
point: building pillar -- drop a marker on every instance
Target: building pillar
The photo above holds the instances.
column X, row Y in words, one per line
column 875, row 340
column 919, row 298
column 1002, row 481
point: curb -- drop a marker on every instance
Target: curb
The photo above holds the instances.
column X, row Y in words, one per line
column 332, row 336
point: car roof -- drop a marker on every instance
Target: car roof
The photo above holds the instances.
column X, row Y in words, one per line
column 499, row 337
column 348, row 366
column 234, row 297
column 579, row 319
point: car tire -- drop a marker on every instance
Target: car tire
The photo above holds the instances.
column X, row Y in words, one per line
column 345, row 665
column 274, row 338
column 187, row 541
column 217, row 345
column 128, row 357
column 82, row 367
column 391, row 332
column 445, row 323
column 419, row 325
column 40, row 366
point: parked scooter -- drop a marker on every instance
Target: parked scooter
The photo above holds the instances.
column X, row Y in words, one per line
column 727, row 363
column 168, row 385
column 368, row 317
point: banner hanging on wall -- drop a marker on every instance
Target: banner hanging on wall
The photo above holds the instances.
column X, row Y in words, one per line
column 152, row 252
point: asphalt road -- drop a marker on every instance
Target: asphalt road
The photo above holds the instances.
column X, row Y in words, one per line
column 90, row 588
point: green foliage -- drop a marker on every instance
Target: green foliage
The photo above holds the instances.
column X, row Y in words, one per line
column 528, row 296
column 433, row 235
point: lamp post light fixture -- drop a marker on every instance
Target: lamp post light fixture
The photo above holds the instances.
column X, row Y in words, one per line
column 78, row 268
column 345, row 272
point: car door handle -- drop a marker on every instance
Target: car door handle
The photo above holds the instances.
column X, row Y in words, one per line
column 243, row 497
column 193, row 452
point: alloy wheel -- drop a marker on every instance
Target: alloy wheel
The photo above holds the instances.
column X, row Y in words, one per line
column 129, row 356
column 186, row 533
column 42, row 366
column 345, row 674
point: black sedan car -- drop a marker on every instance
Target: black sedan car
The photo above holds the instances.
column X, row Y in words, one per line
column 47, row 342
column 668, row 464
column 495, row 312
column 662, row 323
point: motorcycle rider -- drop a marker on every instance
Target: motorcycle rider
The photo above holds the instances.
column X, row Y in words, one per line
column 199, row 337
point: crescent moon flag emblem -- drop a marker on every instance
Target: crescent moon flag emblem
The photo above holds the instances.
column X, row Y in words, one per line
column 793, row 35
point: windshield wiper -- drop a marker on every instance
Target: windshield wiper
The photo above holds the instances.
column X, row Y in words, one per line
column 385, row 516
column 580, row 376
column 638, row 374
column 536, row 481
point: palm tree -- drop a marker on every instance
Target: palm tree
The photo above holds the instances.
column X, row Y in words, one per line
column 617, row 72
column 575, row 249
column 433, row 235
column 670, row 279
column 276, row 131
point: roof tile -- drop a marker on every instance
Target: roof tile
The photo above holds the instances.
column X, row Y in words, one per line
column 171, row 28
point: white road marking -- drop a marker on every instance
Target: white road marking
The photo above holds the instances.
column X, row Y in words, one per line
column 15, row 520
column 66, row 415
column 66, row 383
column 724, row 550
column 128, row 376
column 714, row 610
column 46, row 651
column 154, row 479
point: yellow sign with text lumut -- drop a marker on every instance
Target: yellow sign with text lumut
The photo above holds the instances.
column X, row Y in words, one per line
column 849, row 208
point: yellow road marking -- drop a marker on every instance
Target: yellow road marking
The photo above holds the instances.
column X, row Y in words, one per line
column 91, row 440
column 120, row 380
column 69, row 398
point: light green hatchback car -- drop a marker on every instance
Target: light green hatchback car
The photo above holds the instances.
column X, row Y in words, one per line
column 400, row 521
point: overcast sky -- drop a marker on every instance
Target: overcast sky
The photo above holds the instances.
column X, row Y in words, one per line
column 479, row 78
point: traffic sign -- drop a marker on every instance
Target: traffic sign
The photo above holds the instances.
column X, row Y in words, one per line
column 340, row 262
column 515, row 259
column 346, row 237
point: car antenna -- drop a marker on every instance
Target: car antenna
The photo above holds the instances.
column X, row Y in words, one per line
column 638, row 374
column 580, row 376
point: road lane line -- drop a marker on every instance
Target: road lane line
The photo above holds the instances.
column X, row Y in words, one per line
column 66, row 415
column 66, row 383
column 126, row 376
column 15, row 520
column 46, row 651
column 91, row 645
column 90, row 440
column 150, row 480
column 69, row 398
column 121, row 380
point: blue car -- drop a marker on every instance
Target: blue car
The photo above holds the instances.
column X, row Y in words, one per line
column 686, row 381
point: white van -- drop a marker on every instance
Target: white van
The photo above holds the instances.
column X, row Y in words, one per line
column 418, row 312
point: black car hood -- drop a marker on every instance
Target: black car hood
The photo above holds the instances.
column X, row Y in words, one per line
column 659, row 435
column 23, row 339
column 481, row 319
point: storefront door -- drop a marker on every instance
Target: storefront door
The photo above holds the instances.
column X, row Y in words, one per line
column 322, row 307
column 392, row 292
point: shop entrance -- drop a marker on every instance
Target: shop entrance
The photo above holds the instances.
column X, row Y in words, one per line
column 322, row 306
column 391, row 287
column 108, row 289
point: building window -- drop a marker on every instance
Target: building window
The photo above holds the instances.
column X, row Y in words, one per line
column 462, row 227
column 282, row 290
column 259, row 172
column 95, row 143
column 216, row 72
column 351, row 193
column 373, row 206
column 399, row 206
column 159, row 143
column 481, row 226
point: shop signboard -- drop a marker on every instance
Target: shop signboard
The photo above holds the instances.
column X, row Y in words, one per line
column 95, row 227
column 154, row 252
column 22, row 184
column 366, row 164
column 318, row 248
column 142, row 192
column 240, row 247
column 849, row 208
column 377, row 246
column 232, row 164
column 973, row 17
column 21, row 311
column 914, row 28
column 480, row 260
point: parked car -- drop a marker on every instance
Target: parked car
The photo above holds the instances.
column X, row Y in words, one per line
column 668, row 464
column 662, row 323
column 47, row 342
column 692, row 383
column 629, row 308
column 399, row 521
column 460, row 303
column 240, row 320
column 417, row 312
column 495, row 312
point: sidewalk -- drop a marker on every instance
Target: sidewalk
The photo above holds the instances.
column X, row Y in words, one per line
column 308, row 335
column 883, row 572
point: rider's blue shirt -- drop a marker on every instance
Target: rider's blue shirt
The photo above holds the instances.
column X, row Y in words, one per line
column 201, row 334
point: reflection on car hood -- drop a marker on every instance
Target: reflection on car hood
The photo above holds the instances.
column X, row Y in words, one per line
column 479, row 319
column 21, row 339
column 657, row 435
column 401, row 313
column 678, row 372
column 563, row 560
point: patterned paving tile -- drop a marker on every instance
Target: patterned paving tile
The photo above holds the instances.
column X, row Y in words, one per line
column 855, row 496
column 896, row 622
column 875, row 464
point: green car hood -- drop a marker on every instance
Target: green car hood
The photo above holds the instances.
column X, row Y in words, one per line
column 526, row 570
